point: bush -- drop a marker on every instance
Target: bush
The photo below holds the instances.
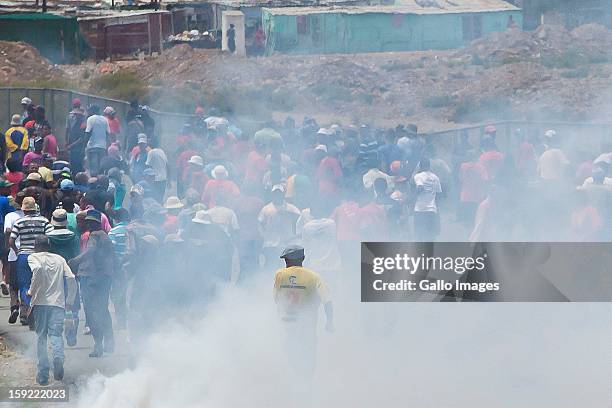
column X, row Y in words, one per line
column 438, row 101
column 581, row 72
column 488, row 108
column 124, row 85
column 571, row 58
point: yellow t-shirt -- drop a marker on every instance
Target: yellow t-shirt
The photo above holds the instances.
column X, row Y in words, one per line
column 298, row 291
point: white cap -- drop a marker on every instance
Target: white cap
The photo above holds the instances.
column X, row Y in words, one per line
column 26, row 101
column 550, row 133
column 196, row 160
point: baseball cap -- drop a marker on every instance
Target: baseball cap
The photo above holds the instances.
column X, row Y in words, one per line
column 59, row 218
column 5, row 183
column 142, row 138
column 293, row 252
column 67, row 185
column 26, row 101
column 197, row 160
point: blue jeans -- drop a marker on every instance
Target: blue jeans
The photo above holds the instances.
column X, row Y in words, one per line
column 24, row 277
column 49, row 321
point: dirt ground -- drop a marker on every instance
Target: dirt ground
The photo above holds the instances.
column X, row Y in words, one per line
column 550, row 74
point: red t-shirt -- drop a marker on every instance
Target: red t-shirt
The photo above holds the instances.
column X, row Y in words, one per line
column 492, row 162
column 14, row 178
column 51, row 147
column 171, row 224
column 473, row 177
column 215, row 187
column 373, row 222
column 346, row 216
column 256, row 167
column 328, row 174
column 114, row 125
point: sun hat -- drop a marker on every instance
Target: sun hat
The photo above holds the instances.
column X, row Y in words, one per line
column 172, row 203
column 59, row 218
column 34, row 177
column 94, row 215
column 28, row 204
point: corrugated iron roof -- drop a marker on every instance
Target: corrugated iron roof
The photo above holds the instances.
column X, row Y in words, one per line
column 406, row 7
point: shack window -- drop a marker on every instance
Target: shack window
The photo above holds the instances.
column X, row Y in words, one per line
column 303, row 25
column 472, row 27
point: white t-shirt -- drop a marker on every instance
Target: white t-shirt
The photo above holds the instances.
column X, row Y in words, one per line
column 224, row 217
column 552, row 164
column 426, row 198
column 9, row 220
column 157, row 160
column 97, row 127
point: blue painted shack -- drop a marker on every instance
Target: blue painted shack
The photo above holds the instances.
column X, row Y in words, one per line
column 408, row 25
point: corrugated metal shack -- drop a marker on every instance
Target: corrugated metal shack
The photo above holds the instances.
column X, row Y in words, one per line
column 409, row 25
column 56, row 37
column 113, row 33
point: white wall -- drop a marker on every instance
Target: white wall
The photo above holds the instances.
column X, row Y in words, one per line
column 237, row 19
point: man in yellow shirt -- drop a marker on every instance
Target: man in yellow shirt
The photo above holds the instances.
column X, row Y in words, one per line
column 17, row 141
column 298, row 293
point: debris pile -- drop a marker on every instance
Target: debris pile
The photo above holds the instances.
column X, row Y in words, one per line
column 20, row 62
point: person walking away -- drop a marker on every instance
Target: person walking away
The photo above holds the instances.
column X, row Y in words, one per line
column 26, row 105
column 118, row 237
column 97, row 133
column 25, row 230
column 138, row 158
column 5, row 209
column 17, row 307
column 95, row 269
column 113, row 122
column 298, row 293
column 50, row 273
column 158, row 162
column 247, row 209
column 277, row 224
column 473, row 178
column 319, row 238
column 17, row 140
column 231, row 38
column 14, row 175
column 65, row 243
column 75, row 135
column 426, row 218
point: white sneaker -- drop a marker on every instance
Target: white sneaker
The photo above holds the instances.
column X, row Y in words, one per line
column 4, row 287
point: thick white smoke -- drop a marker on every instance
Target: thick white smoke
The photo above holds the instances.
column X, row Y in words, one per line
column 425, row 355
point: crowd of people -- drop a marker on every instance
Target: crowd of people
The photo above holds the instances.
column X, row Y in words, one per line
column 99, row 209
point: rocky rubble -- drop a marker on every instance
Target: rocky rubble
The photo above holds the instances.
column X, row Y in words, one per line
column 20, row 62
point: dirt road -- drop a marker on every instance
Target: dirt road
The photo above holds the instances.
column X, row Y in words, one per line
column 18, row 356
